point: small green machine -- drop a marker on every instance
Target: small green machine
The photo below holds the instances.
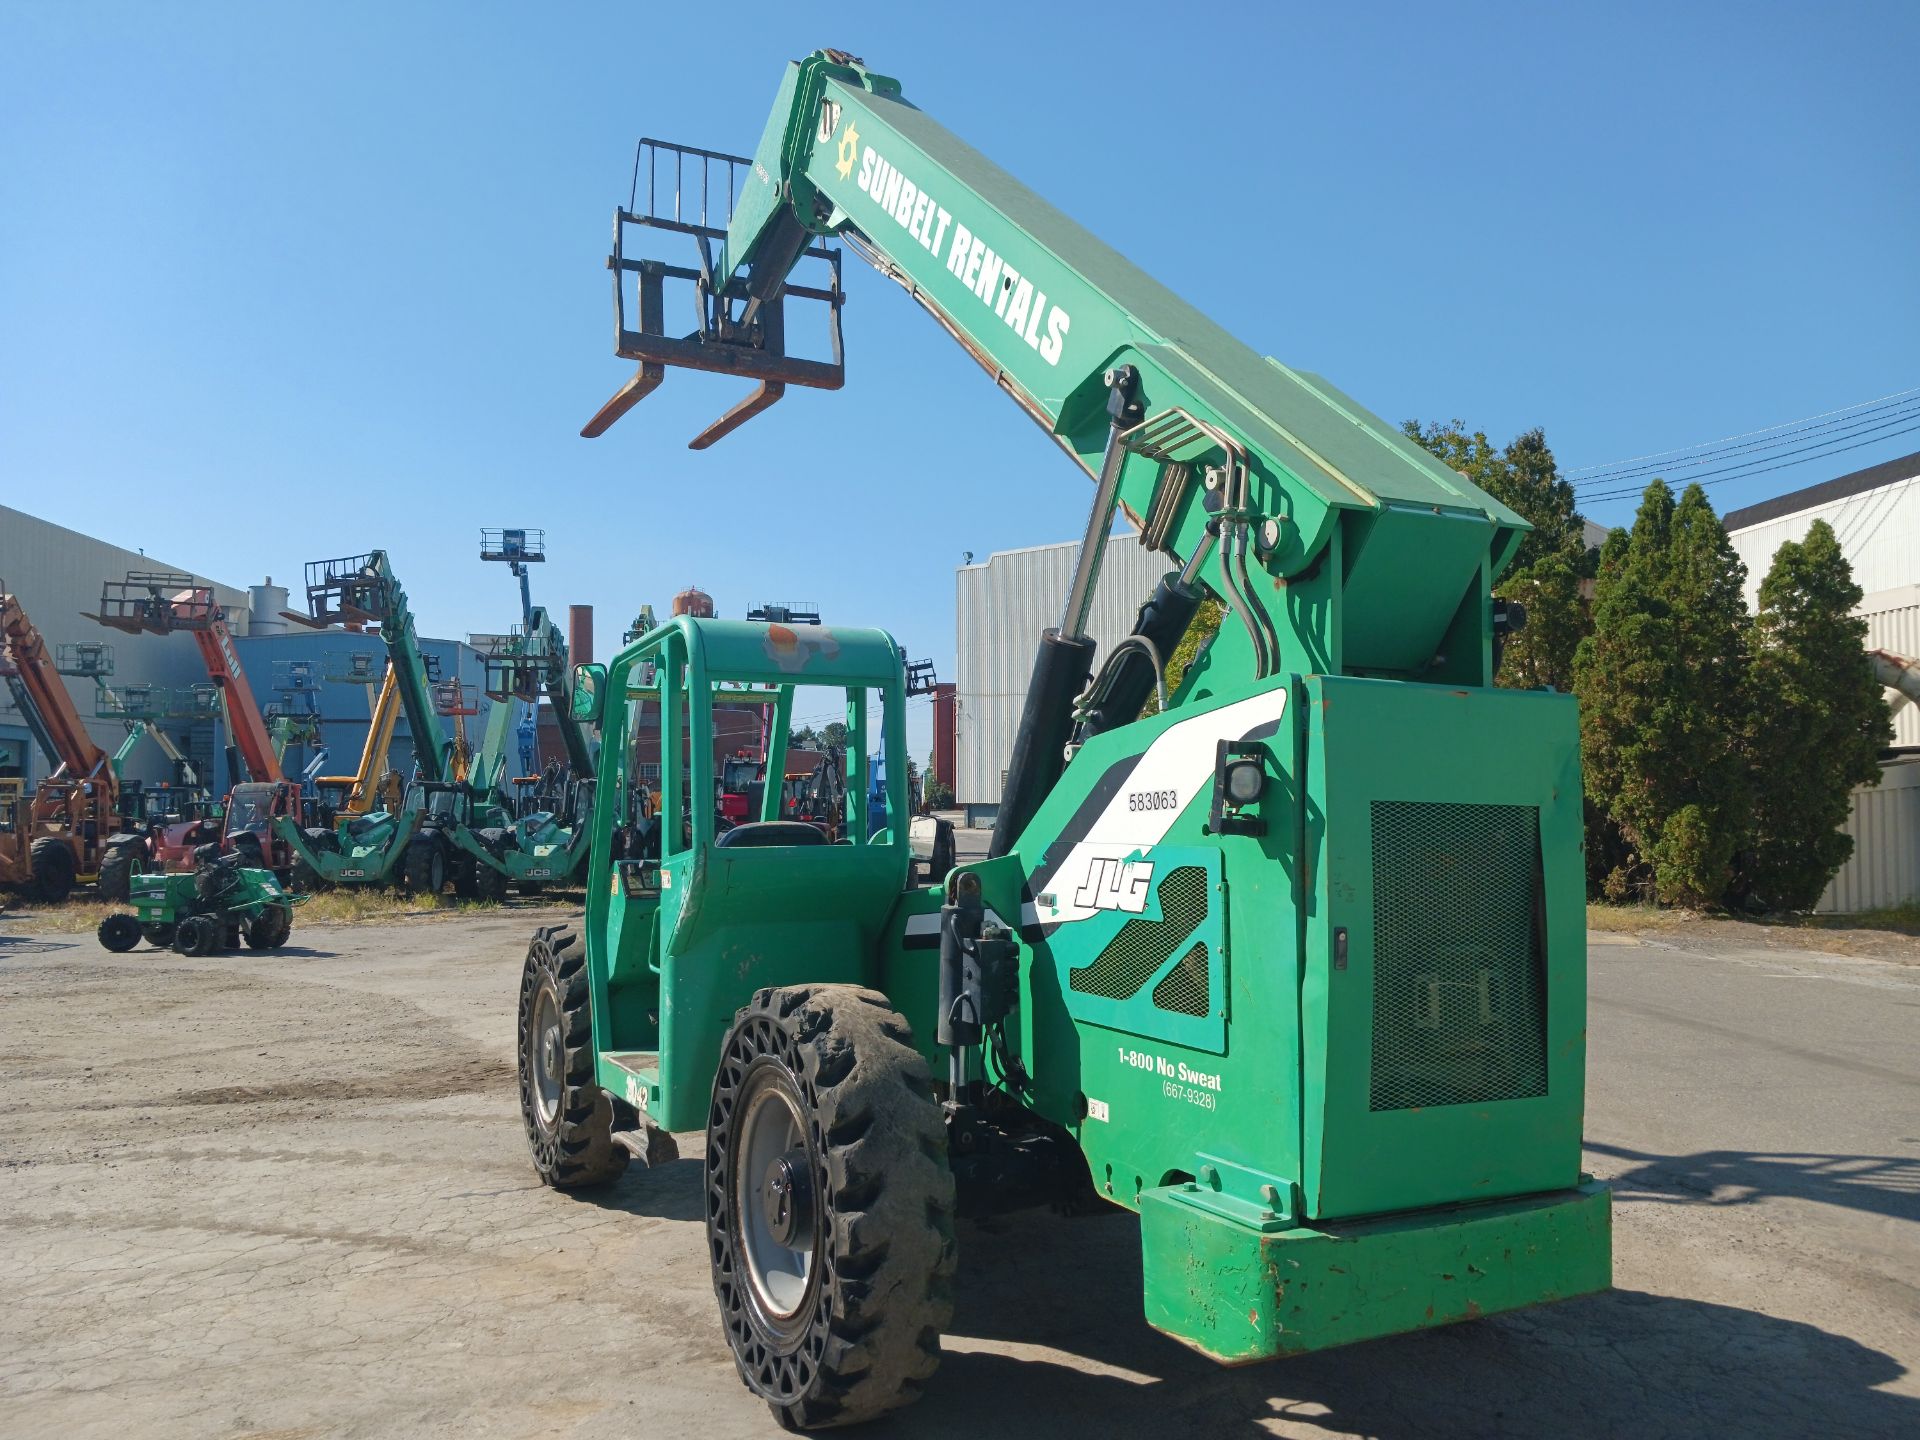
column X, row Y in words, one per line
column 213, row 907
column 1294, row 967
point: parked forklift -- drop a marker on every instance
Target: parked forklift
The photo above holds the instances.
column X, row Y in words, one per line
column 55, row 838
column 1293, row 968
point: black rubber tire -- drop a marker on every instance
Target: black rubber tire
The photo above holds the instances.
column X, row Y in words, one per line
column 159, row 936
column 124, row 858
column 119, row 933
column 425, row 868
column 197, row 935
column 466, row 878
column 865, row 1336
column 573, row 1148
column 533, row 887
column 53, row 872
column 307, row 880
column 270, row 928
column 489, row 883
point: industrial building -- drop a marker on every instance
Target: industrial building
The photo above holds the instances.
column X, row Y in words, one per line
column 57, row 575
column 1875, row 513
column 1002, row 606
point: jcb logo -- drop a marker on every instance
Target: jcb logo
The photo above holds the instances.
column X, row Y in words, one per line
column 1116, row 885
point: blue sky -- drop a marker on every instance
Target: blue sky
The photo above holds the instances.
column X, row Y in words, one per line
column 278, row 283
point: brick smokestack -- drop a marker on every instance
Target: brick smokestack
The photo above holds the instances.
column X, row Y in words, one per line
column 580, row 634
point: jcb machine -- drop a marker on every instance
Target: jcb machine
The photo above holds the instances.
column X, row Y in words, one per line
column 156, row 603
column 55, row 838
column 1294, row 968
column 546, row 843
column 417, row 846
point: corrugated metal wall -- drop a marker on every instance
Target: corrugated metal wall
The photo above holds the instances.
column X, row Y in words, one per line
column 57, row 573
column 1879, row 529
column 1002, row 606
column 1885, row 825
column 1893, row 623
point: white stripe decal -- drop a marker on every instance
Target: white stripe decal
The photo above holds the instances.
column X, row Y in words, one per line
column 1177, row 766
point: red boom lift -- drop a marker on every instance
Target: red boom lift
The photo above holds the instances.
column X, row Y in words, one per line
column 159, row 604
column 55, row 837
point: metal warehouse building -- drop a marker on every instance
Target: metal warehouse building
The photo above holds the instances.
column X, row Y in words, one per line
column 57, row 574
column 1003, row 605
column 1876, row 515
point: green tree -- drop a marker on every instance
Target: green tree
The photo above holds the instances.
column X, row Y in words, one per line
column 1662, row 697
column 1200, row 632
column 1815, row 722
column 1546, row 574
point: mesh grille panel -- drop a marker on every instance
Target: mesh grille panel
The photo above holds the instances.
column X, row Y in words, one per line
column 1183, row 989
column 1459, row 991
column 1143, row 946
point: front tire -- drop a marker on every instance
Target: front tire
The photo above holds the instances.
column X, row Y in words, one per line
column 52, row 862
column 125, row 858
column 426, row 867
column 569, row 1118
column 829, row 1205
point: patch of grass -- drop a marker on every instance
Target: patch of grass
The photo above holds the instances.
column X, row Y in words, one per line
column 1899, row 919
column 82, row 914
column 1625, row 918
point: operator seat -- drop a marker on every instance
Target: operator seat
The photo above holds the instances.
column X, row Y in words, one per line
column 770, row 832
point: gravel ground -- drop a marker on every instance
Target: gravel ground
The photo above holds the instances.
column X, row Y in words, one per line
column 289, row 1196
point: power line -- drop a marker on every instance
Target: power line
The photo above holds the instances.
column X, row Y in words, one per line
column 1745, row 435
column 1761, row 449
column 1741, row 472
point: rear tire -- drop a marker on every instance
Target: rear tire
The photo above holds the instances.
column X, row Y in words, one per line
column 197, row 935
column 53, row 872
column 829, row 1205
column 569, row 1118
column 270, row 928
column 119, row 933
column 489, row 883
column 160, row 936
column 125, row 857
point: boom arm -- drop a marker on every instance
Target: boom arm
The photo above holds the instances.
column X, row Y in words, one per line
column 42, row 695
column 1379, row 559
column 159, row 604
column 359, row 589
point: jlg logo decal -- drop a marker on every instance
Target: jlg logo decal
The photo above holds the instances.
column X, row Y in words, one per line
column 1116, row 885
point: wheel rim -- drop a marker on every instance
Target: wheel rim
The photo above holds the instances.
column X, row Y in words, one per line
column 771, row 1200
column 549, row 1057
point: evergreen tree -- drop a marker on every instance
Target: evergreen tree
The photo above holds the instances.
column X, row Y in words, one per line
column 1661, row 685
column 1815, row 722
column 1546, row 574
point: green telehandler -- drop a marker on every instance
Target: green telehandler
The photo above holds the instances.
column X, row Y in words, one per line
column 368, row 845
column 1294, row 968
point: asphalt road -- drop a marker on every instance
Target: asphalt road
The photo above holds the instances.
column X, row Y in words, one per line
column 290, row 1197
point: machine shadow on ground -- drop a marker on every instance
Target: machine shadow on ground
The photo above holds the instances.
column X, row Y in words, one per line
column 1878, row 1184
column 1625, row 1363
column 1066, row 1294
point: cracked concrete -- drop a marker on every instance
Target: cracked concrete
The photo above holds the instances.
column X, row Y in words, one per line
column 289, row 1196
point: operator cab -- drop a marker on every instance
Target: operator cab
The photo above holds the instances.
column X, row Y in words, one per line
column 679, row 709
